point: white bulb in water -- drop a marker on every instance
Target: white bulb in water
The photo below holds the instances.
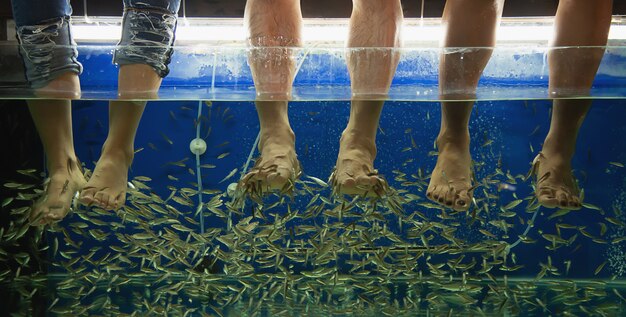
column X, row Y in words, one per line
column 197, row 146
column 231, row 189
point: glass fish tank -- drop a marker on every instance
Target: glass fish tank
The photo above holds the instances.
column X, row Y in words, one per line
column 189, row 242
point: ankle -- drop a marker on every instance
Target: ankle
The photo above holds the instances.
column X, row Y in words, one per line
column 352, row 132
column 556, row 149
column 280, row 136
column 355, row 139
column 118, row 153
column 65, row 165
column 446, row 139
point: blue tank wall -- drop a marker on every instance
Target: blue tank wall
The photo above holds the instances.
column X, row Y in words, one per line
column 223, row 74
column 512, row 125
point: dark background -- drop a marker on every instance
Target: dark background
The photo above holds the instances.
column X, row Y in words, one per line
column 310, row 8
column 315, row 8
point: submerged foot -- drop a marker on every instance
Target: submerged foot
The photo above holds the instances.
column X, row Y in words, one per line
column 451, row 180
column 277, row 168
column 107, row 185
column 60, row 190
column 354, row 172
column 555, row 185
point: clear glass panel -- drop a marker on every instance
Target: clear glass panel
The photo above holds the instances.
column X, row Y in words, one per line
column 223, row 73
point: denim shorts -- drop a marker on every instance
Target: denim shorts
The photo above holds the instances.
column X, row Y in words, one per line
column 148, row 34
column 48, row 50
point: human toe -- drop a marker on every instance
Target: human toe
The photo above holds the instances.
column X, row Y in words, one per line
column 37, row 216
column 119, row 201
column 111, row 203
column 347, row 182
column 547, row 199
column 574, row 202
column 366, row 181
column 434, row 194
column 440, row 194
column 87, row 196
column 108, row 200
column 430, row 191
column 462, row 201
column 450, row 196
column 546, row 192
column 101, row 199
column 568, row 201
column 562, row 198
column 55, row 214
column 277, row 180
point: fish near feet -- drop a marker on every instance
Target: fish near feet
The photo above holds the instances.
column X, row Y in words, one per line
column 107, row 185
column 555, row 186
column 276, row 169
column 59, row 191
column 451, row 180
column 354, row 172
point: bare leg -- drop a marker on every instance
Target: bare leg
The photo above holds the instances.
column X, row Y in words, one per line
column 66, row 86
column 468, row 23
column 572, row 70
column 376, row 25
column 53, row 119
column 274, row 25
column 107, row 185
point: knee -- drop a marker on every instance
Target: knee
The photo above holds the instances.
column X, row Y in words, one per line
column 274, row 22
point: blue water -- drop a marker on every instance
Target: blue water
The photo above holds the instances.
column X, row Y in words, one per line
column 154, row 271
column 502, row 135
column 223, row 73
column 318, row 126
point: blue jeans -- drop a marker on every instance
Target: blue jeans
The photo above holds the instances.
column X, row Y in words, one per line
column 48, row 50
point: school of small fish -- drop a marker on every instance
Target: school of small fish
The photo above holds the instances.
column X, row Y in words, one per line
column 307, row 250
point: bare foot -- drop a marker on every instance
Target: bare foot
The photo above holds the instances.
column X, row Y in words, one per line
column 555, row 185
column 451, row 180
column 107, row 185
column 60, row 190
column 354, row 172
column 277, row 168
